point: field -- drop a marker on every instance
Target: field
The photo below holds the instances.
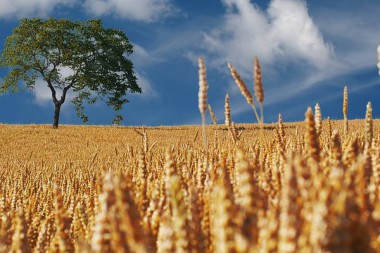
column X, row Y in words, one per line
column 290, row 187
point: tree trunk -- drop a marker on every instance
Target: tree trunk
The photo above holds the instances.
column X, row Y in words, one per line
column 56, row 115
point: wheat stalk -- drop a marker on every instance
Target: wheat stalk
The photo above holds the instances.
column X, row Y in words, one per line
column 145, row 141
column 368, row 125
column 345, row 102
column 227, row 111
column 234, row 134
column 345, row 107
column 329, row 128
column 202, row 97
column 141, row 193
column 280, row 129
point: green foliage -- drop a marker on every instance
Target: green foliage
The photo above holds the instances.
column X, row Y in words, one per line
column 96, row 58
column 117, row 120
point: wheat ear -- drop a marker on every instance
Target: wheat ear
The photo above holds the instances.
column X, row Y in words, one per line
column 258, row 85
column 329, row 128
column 202, row 96
column 212, row 114
column 318, row 119
column 345, row 102
column 243, row 89
column 368, row 125
column 227, row 111
column 311, row 136
column 345, row 107
column 281, row 130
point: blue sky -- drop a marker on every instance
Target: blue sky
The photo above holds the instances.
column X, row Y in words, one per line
column 308, row 51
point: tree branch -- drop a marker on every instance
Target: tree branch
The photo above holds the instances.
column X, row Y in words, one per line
column 63, row 98
column 53, row 92
column 50, row 85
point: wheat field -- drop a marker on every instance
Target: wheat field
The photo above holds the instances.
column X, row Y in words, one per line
column 311, row 186
column 286, row 187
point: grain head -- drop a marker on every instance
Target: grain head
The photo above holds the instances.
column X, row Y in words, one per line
column 203, row 87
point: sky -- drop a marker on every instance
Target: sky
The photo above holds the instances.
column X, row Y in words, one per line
column 308, row 50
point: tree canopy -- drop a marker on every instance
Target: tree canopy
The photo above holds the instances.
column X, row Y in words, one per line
column 79, row 55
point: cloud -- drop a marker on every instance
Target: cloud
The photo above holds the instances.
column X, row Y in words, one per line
column 282, row 33
column 294, row 54
column 42, row 93
column 141, row 10
column 146, row 87
column 142, row 58
column 355, row 29
column 296, row 33
column 22, row 8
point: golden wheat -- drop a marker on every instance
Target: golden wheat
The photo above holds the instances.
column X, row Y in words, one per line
column 202, row 96
column 243, row 89
column 258, row 85
column 345, row 107
column 212, row 114
column 98, row 191
column 227, row 111
column 288, row 187
column 318, row 119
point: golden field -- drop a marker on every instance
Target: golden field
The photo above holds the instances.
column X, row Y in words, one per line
column 291, row 187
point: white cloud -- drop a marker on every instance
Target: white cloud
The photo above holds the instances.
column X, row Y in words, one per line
column 296, row 33
column 292, row 50
column 42, row 93
column 354, row 31
column 146, row 87
column 140, row 51
column 284, row 32
column 141, row 57
column 22, row 8
column 140, row 10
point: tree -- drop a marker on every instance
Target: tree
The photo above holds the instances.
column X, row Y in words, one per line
column 79, row 55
